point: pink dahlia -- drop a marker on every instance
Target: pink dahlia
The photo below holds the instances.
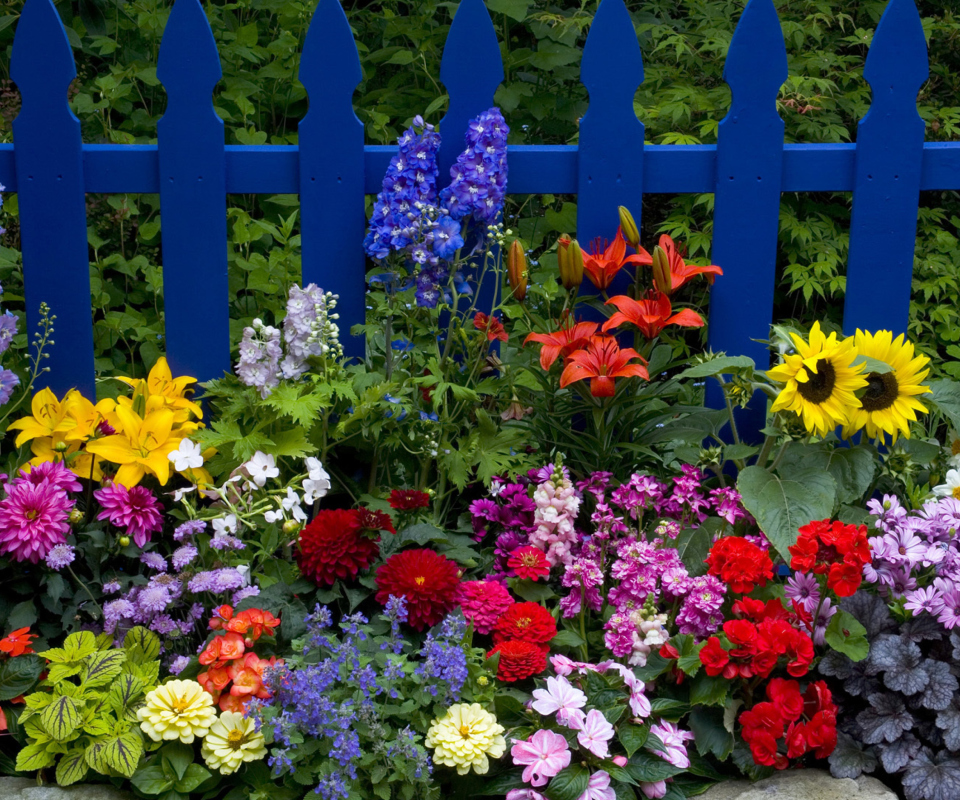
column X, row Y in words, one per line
column 52, row 472
column 33, row 519
column 135, row 510
column 484, row 602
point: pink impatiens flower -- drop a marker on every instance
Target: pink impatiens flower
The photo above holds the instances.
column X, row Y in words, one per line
column 594, row 733
column 544, row 754
column 524, row 794
column 135, row 510
column 598, row 788
column 654, row 790
column 564, row 698
column 674, row 741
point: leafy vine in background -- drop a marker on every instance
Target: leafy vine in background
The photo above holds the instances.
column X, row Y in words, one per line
column 118, row 99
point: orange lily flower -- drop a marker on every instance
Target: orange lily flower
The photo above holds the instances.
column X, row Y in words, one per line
column 562, row 342
column 651, row 315
column 680, row 271
column 602, row 361
column 601, row 268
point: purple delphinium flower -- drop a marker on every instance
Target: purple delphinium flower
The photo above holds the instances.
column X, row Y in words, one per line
column 259, row 362
column 9, row 381
column 8, row 329
column 479, row 177
column 135, row 510
column 60, row 556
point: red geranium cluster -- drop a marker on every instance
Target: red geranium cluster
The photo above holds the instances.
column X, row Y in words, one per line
column 740, row 564
column 833, row 549
column 802, row 723
column 755, row 642
column 338, row 543
column 521, row 637
column 230, row 660
column 408, row 500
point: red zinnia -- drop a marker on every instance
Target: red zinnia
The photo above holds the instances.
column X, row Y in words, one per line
column 529, row 562
column 408, row 500
column 17, row 643
column 527, row 622
column 519, row 660
column 333, row 546
column 428, row 580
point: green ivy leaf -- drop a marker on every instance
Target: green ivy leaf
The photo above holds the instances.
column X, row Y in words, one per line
column 846, row 635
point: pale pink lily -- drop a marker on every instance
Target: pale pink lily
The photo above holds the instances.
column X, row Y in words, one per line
column 594, row 733
column 561, row 697
column 544, row 754
column 598, row 788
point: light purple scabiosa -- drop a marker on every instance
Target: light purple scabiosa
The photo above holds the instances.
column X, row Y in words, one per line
column 154, row 561
column 34, row 517
column 178, row 665
column 152, row 599
column 115, row 612
column 804, row 590
column 134, row 510
column 217, row 581
column 183, row 556
column 111, row 587
column 188, row 529
column 60, row 556
column 242, row 594
column 259, row 362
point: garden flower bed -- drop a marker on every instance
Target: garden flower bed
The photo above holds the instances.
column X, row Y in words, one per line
column 509, row 554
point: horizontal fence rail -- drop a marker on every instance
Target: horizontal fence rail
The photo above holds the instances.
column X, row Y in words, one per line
column 332, row 169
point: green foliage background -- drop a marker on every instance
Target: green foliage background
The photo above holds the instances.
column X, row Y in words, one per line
column 118, row 99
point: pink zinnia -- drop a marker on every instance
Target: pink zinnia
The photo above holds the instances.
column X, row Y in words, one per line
column 136, row 510
column 33, row 519
column 544, row 754
column 483, row 603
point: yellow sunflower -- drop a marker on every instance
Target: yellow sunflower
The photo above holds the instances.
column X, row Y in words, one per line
column 889, row 403
column 821, row 381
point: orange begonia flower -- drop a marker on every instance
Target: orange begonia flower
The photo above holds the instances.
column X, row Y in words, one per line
column 602, row 361
column 601, row 268
column 651, row 315
column 562, row 342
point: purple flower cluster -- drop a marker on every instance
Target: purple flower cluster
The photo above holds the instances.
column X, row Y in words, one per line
column 916, row 556
column 8, row 329
column 260, row 353
column 444, row 664
column 479, row 178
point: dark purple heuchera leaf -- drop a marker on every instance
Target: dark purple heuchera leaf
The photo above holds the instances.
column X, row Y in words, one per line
column 941, row 687
column 955, row 643
column 871, row 611
column 849, row 758
column 922, row 628
column 899, row 659
column 948, row 721
column 836, row 665
column 937, row 779
column 896, row 755
column 885, row 720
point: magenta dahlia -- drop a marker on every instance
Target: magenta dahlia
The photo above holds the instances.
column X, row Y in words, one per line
column 484, row 602
column 33, row 519
column 135, row 510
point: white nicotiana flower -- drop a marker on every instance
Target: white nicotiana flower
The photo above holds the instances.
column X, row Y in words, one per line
column 291, row 504
column 261, row 468
column 951, row 485
column 317, row 482
column 223, row 526
column 187, row 456
column 178, row 494
column 244, row 571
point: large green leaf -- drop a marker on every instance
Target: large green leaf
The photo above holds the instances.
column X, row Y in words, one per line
column 852, row 468
column 141, row 645
column 693, row 546
column 647, row 768
column 632, row 737
column 569, row 784
column 61, row 718
column 18, row 675
column 782, row 505
column 717, row 366
column 710, row 734
column 946, row 397
column 846, row 635
column 151, row 780
column 72, row 767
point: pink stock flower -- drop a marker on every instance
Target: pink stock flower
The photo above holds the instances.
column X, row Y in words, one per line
column 598, row 788
column 544, row 754
column 135, row 510
column 594, row 733
column 483, row 603
column 564, row 698
column 33, row 519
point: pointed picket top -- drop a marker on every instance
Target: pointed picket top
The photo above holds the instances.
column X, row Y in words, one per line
column 471, row 70
column 612, row 66
column 330, row 64
column 188, row 65
column 42, row 63
column 897, row 63
column 756, row 65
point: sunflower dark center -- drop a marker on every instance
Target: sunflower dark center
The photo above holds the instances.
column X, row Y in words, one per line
column 819, row 385
column 882, row 391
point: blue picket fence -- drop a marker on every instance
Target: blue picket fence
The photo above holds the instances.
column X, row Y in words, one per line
column 331, row 169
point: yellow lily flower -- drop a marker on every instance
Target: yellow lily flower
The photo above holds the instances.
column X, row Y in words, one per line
column 49, row 418
column 80, row 463
column 86, row 415
column 161, row 383
column 141, row 445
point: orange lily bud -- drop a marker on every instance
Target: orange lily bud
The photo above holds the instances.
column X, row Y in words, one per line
column 517, row 270
column 629, row 227
column 662, row 277
column 570, row 261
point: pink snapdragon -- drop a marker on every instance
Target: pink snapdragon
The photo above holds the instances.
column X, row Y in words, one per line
column 561, row 697
column 544, row 754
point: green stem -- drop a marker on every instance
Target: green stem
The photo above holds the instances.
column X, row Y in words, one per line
column 87, row 590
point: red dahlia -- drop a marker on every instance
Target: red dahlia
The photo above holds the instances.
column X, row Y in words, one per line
column 526, row 622
column 529, row 562
column 333, row 546
column 408, row 500
column 428, row 580
column 375, row 520
column 519, row 660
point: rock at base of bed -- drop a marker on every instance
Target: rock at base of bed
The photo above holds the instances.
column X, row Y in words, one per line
column 804, row 784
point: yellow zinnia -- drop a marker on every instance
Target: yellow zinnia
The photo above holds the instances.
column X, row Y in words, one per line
column 177, row 710
column 889, row 403
column 231, row 741
column 464, row 737
column 821, row 381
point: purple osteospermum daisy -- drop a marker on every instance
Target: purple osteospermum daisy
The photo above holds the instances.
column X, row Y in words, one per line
column 804, row 590
column 135, row 510
column 920, row 600
column 33, row 519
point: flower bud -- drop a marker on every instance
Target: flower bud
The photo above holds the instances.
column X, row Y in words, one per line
column 570, row 262
column 483, row 680
column 661, row 271
column 60, row 447
column 291, row 526
column 629, row 227
column 124, row 541
column 75, row 516
column 517, row 270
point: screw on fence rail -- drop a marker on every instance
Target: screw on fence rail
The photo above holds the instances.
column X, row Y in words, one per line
column 332, row 169
column 471, row 70
column 747, row 200
column 53, row 222
column 193, row 200
column 886, row 192
column 610, row 168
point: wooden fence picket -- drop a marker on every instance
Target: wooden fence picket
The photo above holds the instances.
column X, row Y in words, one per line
column 193, row 198
column 50, row 188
